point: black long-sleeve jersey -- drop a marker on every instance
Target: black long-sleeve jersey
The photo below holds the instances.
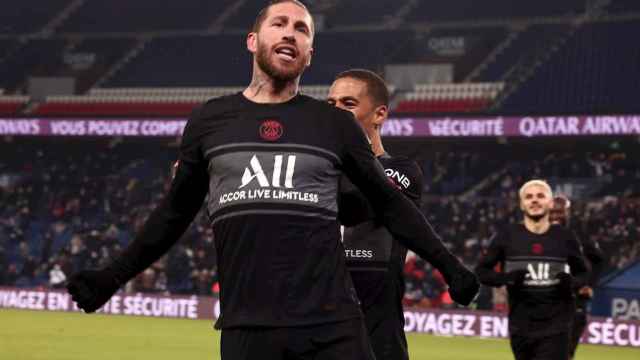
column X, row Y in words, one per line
column 271, row 172
column 539, row 307
column 374, row 259
column 595, row 257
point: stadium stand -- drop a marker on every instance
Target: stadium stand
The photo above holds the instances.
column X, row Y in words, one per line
column 187, row 61
column 526, row 42
column 102, row 53
column 143, row 15
column 67, row 206
column 496, row 9
column 85, row 59
column 6, row 47
column 573, row 81
column 198, row 60
column 339, row 51
column 623, row 6
column 608, row 174
column 205, row 92
column 349, row 13
column 454, row 172
column 243, row 18
column 488, row 53
column 442, row 98
column 18, row 17
column 464, row 48
column 76, row 203
column 35, row 57
column 119, row 105
column 143, row 101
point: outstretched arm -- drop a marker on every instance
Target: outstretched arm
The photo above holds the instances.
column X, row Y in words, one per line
column 577, row 263
column 594, row 254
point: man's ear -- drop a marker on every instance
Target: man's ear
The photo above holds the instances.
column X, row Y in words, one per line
column 252, row 42
column 310, row 57
column 380, row 115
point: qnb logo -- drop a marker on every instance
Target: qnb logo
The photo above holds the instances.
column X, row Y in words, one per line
column 396, row 176
column 255, row 171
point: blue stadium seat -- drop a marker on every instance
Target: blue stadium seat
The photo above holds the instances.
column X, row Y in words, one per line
column 596, row 71
column 351, row 12
column 223, row 60
column 339, row 51
column 527, row 42
column 188, row 61
column 143, row 15
column 26, row 16
column 623, row 6
column 33, row 58
column 453, row 10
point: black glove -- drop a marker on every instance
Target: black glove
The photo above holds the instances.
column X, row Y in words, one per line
column 91, row 289
column 463, row 284
column 515, row 278
column 565, row 286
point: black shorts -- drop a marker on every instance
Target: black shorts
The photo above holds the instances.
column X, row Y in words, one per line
column 388, row 339
column 346, row 340
column 552, row 347
column 579, row 324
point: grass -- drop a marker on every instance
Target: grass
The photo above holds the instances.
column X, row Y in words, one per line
column 29, row 335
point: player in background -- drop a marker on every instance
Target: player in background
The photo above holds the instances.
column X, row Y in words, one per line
column 374, row 259
column 270, row 160
column 542, row 266
column 560, row 215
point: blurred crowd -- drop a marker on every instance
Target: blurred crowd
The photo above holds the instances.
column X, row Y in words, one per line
column 71, row 207
column 65, row 207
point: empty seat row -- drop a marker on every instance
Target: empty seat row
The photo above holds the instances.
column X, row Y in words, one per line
column 182, row 93
column 166, row 91
column 11, row 104
column 456, row 91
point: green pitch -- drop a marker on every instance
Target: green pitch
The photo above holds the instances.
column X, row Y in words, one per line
column 26, row 335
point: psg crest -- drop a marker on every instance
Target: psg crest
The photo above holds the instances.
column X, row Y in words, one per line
column 271, row 130
column 537, row 249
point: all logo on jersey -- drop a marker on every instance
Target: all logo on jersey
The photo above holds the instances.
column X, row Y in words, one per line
column 271, row 130
column 272, row 180
column 254, row 172
column 541, row 272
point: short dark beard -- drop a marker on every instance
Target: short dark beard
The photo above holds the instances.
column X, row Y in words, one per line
column 535, row 218
column 262, row 58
